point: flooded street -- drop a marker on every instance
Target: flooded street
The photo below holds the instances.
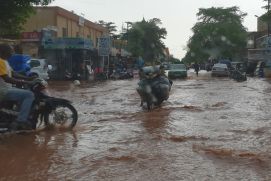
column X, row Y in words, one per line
column 209, row 129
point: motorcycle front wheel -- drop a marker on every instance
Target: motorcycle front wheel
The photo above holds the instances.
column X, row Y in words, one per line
column 64, row 116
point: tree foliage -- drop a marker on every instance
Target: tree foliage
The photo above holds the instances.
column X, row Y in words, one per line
column 218, row 33
column 14, row 13
column 145, row 39
column 267, row 5
column 174, row 60
column 110, row 26
column 267, row 16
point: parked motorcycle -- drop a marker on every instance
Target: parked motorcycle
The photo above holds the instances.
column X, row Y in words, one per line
column 153, row 87
column 100, row 74
column 70, row 76
column 123, row 74
column 46, row 111
column 238, row 75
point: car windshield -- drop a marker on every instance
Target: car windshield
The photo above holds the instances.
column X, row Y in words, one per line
column 177, row 66
column 34, row 63
column 220, row 66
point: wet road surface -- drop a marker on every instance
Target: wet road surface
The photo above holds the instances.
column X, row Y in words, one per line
column 209, row 129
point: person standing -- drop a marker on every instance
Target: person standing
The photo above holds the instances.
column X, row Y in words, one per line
column 140, row 62
column 196, row 67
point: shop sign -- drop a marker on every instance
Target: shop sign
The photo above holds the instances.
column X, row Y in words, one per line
column 67, row 43
column 30, row 36
column 104, row 46
column 81, row 21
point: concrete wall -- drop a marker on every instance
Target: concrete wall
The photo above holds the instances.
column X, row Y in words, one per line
column 67, row 24
column 39, row 20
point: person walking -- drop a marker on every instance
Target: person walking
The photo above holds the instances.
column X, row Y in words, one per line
column 196, row 67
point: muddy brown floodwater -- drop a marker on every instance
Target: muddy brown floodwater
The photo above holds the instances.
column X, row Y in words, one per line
column 209, row 129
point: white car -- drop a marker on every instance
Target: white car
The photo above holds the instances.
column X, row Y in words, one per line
column 220, row 69
column 39, row 67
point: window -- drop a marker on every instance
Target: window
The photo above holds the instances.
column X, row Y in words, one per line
column 64, row 32
column 34, row 63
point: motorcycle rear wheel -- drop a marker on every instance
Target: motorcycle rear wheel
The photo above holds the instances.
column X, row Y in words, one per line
column 64, row 116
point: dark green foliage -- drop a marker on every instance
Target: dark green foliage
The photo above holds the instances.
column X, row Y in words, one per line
column 145, row 39
column 267, row 16
column 14, row 13
column 110, row 26
column 174, row 60
column 267, row 6
column 218, row 33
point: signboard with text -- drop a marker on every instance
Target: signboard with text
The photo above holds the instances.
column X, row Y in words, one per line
column 104, row 46
column 81, row 21
column 30, row 36
column 67, row 43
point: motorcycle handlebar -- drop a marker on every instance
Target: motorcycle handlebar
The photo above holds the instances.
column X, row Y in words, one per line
column 37, row 82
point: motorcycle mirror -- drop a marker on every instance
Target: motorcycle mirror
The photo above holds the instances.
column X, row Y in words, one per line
column 50, row 67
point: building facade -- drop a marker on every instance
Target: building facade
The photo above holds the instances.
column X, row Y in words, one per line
column 64, row 23
column 262, row 27
column 66, row 40
column 259, row 43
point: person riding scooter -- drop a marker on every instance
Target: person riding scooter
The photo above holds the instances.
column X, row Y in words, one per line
column 9, row 93
column 154, row 86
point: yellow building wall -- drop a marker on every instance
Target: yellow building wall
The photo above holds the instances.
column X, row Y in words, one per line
column 40, row 20
column 48, row 17
column 61, row 23
column 262, row 26
column 74, row 29
column 69, row 30
column 87, row 33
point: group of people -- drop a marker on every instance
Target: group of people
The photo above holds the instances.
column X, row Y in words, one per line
column 8, row 92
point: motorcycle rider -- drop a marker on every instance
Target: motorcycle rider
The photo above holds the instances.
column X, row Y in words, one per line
column 9, row 93
column 154, row 83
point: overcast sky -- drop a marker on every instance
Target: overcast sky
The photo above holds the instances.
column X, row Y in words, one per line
column 178, row 16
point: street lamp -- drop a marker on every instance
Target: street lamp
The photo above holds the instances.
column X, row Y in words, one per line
column 257, row 21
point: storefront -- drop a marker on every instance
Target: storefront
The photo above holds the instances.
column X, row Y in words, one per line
column 69, row 57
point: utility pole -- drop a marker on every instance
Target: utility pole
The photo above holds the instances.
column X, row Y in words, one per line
column 268, row 22
column 128, row 25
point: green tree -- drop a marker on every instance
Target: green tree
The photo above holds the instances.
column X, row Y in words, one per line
column 145, row 39
column 267, row 16
column 174, row 60
column 110, row 26
column 267, row 7
column 218, row 33
column 14, row 13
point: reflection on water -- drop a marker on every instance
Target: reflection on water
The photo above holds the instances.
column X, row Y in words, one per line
column 30, row 156
column 209, row 129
